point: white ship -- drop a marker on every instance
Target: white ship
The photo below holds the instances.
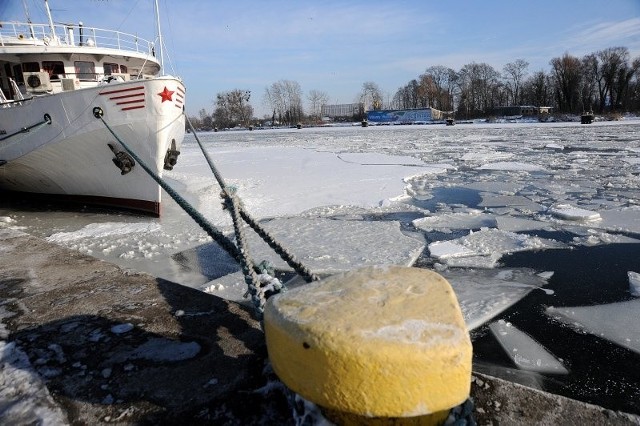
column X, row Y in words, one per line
column 52, row 79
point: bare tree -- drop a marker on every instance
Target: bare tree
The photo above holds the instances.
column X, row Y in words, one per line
column 233, row 108
column 479, row 88
column 284, row 97
column 566, row 75
column 438, row 83
column 371, row 96
column 514, row 74
column 536, row 90
column 205, row 121
column 317, row 99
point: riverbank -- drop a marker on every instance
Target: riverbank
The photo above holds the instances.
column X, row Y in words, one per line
column 86, row 341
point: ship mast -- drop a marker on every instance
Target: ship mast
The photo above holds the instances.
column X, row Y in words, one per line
column 26, row 14
column 157, row 13
column 53, row 29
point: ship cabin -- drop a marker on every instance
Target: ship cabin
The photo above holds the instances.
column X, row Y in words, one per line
column 38, row 59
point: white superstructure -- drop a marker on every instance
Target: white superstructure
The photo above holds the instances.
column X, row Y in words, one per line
column 52, row 77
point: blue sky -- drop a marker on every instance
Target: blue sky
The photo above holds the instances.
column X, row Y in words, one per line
column 335, row 46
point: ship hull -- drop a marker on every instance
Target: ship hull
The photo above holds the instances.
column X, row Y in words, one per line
column 72, row 158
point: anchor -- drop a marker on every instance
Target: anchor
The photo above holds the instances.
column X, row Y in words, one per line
column 171, row 158
column 123, row 161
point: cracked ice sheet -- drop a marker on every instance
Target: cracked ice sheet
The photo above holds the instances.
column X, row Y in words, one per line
column 484, row 294
column 484, row 248
column 616, row 322
column 325, row 246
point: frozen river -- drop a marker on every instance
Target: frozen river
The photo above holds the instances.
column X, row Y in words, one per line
column 536, row 226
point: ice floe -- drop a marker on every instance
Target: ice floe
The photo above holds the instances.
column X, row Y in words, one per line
column 634, row 283
column 616, row 322
column 472, row 219
column 526, row 352
column 484, row 294
column 567, row 212
column 486, row 246
column 512, row 166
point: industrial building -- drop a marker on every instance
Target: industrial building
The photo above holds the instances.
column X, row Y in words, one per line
column 342, row 110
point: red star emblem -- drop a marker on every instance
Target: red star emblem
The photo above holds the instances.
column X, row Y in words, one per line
column 166, row 94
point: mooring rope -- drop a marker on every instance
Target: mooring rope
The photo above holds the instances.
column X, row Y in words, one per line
column 36, row 126
column 284, row 254
column 240, row 255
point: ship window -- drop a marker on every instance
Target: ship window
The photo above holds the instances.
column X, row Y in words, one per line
column 54, row 68
column 31, row 67
column 85, row 70
column 110, row 68
column 17, row 72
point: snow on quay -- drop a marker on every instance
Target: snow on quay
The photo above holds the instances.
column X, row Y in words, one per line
column 462, row 200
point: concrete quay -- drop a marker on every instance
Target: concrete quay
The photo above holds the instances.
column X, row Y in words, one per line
column 83, row 341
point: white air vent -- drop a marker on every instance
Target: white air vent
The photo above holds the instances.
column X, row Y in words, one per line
column 37, row 82
column 68, row 84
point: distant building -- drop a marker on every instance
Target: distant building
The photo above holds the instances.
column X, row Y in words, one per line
column 404, row 116
column 341, row 110
column 525, row 110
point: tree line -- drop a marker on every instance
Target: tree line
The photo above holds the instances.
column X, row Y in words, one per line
column 603, row 81
column 606, row 81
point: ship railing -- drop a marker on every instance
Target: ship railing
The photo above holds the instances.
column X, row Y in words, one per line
column 72, row 35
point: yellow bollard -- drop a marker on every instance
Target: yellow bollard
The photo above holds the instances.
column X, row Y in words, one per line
column 378, row 344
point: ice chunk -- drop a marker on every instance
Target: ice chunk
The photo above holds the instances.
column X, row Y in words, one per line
column 513, row 201
column 634, row 283
column 515, row 224
column 554, row 146
column 483, row 294
column 526, row 353
column 445, row 249
column 568, row 212
column 512, row 166
column 474, row 219
column 626, row 219
column 492, row 243
column 616, row 322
